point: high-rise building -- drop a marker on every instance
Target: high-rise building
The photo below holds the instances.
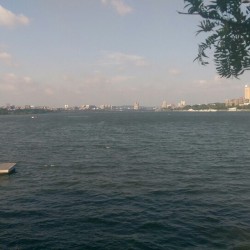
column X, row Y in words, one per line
column 136, row 106
column 247, row 92
column 181, row 104
column 164, row 105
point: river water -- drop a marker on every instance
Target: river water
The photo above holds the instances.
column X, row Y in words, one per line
column 126, row 180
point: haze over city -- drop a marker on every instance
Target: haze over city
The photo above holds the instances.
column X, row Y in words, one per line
column 54, row 52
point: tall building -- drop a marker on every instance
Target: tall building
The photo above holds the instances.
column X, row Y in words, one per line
column 181, row 104
column 164, row 105
column 247, row 92
column 136, row 106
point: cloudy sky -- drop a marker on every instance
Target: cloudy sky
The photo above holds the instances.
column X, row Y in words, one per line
column 56, row 52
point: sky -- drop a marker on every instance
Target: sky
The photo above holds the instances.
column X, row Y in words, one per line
column 114, row 52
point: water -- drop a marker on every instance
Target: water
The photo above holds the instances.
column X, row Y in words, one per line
column 126, row 181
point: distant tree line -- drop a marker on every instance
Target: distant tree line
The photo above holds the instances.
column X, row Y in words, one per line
column 216, row 106
column 5, row 111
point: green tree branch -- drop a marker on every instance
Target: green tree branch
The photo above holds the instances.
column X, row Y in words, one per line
column 227, row 23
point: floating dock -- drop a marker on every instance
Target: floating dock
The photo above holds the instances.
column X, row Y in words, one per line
column 7, row 168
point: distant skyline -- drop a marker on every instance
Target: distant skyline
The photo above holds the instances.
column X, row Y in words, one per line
column 56, row 52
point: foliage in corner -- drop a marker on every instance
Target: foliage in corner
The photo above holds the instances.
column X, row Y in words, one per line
column 227, row 23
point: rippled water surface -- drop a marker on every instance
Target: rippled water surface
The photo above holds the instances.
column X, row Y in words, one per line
column 126, row 181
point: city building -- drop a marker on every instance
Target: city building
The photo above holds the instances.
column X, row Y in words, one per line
column 181, row 104
column 136, row 106
column 235, row 102
column 247, row 93
column 105, row 107
column 242, row 101
column 164, row 105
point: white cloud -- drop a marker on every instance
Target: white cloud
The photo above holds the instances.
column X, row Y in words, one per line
column 100, row 80
column 14, row 84
column 94, row 80
column 120, row 7
column 202, row 82
column 5, row 58
column 219, row 80
column 122, row 59
column 174, row 72
column 119, row 79
column 22, row 89
column 216, row 83
column 49, row 91
column 9, row 19
column 9, row 78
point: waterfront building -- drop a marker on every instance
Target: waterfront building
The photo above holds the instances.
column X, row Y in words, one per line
column 247, row 94
column 181, row 104
column 235, row 102
column 242, row 101
column 105, row 107
column 164, row 105
column 136, row 106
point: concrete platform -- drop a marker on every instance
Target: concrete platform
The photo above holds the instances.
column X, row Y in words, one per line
column 7, row 168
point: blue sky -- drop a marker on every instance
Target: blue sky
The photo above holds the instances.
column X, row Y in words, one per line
column 56, row 52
